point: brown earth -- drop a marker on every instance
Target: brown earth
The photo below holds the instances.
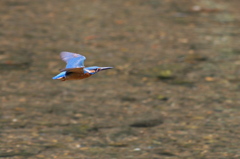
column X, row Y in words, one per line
column 173, row 92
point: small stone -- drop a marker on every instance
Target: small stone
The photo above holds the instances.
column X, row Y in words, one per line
column 209, row 79
column 14, row 120
column 165, row 74
column 137, row 149
column 196, row 8
column 161, row 97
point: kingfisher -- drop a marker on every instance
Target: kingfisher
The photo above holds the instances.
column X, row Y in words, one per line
column 75, row 69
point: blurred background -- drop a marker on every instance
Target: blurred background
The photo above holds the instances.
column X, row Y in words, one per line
column 173, row 92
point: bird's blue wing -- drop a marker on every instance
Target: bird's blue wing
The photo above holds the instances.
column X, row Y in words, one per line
column 73, row 60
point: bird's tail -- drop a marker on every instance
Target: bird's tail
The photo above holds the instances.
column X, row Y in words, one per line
column 60, row 75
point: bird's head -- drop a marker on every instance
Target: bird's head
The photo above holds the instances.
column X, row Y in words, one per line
column 94, row 69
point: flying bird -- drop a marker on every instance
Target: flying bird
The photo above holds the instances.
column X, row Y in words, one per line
column 75, row 69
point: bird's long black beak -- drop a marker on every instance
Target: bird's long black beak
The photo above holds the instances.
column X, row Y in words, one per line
column 105, row 68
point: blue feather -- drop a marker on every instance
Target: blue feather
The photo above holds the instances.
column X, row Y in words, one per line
column 73, row 60
column 60, row 75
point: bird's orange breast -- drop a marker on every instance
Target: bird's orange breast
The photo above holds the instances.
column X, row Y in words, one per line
column 76, row 76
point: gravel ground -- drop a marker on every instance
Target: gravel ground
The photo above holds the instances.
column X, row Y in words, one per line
column 173, row 92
